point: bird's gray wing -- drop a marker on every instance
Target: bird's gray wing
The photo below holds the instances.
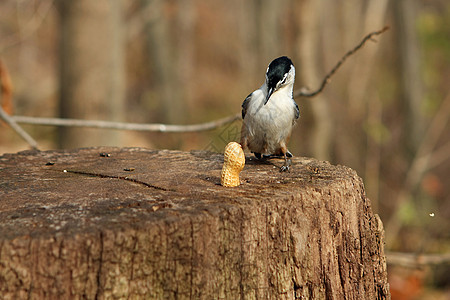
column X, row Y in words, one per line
column 245, row 105
column 297, row 111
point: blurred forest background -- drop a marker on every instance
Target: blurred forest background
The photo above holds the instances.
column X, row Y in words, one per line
column 385, row 112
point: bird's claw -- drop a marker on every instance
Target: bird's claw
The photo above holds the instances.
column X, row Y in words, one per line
column 284, row 168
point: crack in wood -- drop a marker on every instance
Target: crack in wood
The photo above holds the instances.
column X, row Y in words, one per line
column 99, row 271
column 133, row 256
column 146, row 184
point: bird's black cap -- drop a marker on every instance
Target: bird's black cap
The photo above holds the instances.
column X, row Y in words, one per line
column 276, row 72
column 277, row 69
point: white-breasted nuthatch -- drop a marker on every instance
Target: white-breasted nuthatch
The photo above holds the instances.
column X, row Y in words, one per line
column 270, row 112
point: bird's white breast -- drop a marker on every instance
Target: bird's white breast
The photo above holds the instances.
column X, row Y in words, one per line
column 269, row 124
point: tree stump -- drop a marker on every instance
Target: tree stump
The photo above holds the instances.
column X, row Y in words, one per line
column 103, row 223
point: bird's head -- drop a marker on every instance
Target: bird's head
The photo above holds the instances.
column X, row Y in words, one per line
column 280, row 73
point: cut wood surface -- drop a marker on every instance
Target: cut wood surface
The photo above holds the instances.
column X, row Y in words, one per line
column 102, row 223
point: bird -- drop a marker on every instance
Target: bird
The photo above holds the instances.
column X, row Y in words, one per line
column 270, row 112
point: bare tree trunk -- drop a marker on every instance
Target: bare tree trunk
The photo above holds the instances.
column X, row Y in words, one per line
column 308, row 47
column 364, row 69
column 185, row 56
column 411, row 79
column 92, row 68
column 364, row 107
column 163, row 60
column 269, row 34
column 248, row 39
column 373, row 153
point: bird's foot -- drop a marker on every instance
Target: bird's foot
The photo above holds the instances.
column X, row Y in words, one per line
column 262, row 156
column 288, row 154
column 286, row 166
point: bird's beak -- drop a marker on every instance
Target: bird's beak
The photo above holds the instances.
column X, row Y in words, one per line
column 268, row 95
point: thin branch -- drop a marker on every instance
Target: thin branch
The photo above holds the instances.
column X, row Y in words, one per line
column 304, row 93
column 127, row 126
column 11, row 122
column 416, row 260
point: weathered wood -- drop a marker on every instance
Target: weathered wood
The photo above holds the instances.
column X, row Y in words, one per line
column 158, row 225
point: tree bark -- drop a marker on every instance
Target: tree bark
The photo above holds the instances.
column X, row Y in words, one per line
column 108, row 222
column 91, row 69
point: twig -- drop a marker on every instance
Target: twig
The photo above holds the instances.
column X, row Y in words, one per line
column 11, row 122
column 416, row 260
column 303, row 93
column 127, row 126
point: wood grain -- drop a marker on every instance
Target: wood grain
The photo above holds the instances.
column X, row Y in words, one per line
column 141, row 223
